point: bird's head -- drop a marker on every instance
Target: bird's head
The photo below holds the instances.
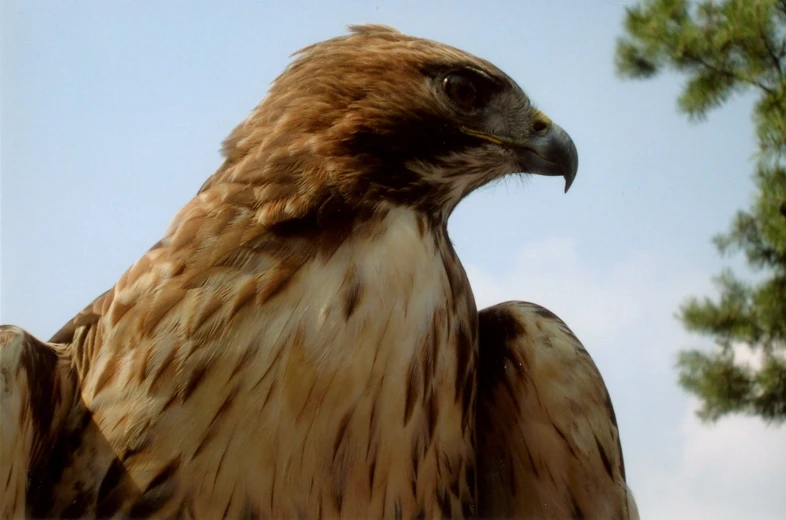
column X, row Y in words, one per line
column 378, row 118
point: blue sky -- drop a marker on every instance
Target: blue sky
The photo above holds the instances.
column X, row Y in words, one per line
column 113, row 114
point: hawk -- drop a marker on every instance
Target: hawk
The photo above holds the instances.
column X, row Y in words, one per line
column 304, row 342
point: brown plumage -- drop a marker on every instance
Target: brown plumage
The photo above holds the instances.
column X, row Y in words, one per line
column 303, row 342
column 546, row 427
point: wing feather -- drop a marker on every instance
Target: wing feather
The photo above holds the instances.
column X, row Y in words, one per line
column 37, row 389
column 548, row 441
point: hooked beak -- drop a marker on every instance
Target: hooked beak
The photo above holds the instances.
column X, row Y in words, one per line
column 549, row 152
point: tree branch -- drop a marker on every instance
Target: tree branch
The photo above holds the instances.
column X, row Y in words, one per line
column 776, row 60
column 726, row 72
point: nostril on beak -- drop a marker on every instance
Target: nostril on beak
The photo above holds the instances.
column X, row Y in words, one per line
column 541, row 126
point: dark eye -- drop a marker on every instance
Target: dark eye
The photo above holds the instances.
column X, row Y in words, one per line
column 462, row 90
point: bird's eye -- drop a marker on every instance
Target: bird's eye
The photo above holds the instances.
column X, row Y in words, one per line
column 462, row 90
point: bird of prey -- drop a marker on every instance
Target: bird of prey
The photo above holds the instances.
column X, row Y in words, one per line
column 303, row 342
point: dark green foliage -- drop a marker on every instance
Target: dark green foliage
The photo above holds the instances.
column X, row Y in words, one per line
column 722, row 48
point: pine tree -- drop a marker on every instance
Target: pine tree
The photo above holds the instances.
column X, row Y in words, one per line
column 723, row 48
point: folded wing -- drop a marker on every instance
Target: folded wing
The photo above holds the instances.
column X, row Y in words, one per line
column 548, row 442
column 37, row 389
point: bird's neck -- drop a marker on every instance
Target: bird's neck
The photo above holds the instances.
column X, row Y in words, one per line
column 380, row 360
